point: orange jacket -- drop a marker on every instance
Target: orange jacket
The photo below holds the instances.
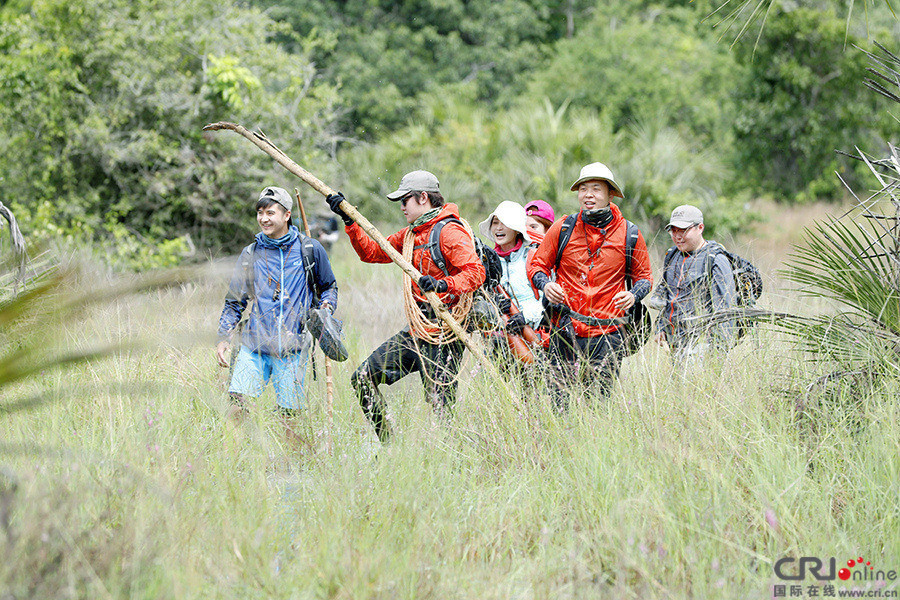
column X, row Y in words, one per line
column 592, row 268
column 466, row 271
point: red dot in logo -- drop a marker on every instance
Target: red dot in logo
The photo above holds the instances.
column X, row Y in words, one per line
column 868, row 563
column 859, row 559
column 844, row 574
column 851, row 563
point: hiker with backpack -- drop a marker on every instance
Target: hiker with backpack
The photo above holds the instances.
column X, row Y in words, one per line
column 282, row 276
column 440, row 245
column 521, row 310
column 697, row 280
column 602, row 272
column 506, row 228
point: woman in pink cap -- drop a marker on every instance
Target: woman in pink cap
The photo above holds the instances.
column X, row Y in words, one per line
column 539, row 217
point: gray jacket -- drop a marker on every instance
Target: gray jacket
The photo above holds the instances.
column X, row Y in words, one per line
column 693, row 284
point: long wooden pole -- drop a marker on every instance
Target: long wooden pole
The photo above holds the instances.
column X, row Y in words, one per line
column 329, row 382
column 264, row 144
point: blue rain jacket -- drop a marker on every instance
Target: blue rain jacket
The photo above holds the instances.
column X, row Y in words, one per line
column 280, row 296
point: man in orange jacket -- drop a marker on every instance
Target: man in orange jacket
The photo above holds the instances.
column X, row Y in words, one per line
column 590, row 294
column 438, row 364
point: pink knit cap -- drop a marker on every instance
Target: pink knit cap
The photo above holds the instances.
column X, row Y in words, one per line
column 539, row 208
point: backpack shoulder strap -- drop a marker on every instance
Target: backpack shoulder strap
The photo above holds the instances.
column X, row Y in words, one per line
column 248, row 255
column 670, row 254
column 715, row 249
column 631, row 238
column 565, row 234
column 434, row 243
column 308, row 256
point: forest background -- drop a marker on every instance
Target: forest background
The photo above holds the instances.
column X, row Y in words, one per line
column 102, row 102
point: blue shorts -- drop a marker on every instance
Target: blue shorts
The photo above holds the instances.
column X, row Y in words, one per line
column 252, row 372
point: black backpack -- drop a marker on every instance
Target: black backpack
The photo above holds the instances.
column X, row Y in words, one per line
column 487, row 256
column 484, row 314
column 636, row 326
column 747, row 279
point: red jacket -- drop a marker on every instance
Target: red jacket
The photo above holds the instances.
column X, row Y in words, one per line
column 592, row 268
column 466, row 271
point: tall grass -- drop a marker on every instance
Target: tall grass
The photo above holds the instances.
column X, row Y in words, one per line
column 673, row 488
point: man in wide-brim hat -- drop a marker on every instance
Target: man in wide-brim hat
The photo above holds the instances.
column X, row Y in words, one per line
column 591, row 281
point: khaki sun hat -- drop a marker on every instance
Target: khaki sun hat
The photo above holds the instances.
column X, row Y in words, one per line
column 511, row 214
column 685, row 216
column 415, row 181
column 598, row 171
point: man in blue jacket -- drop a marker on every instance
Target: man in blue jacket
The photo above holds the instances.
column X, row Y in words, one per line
column 280, row 277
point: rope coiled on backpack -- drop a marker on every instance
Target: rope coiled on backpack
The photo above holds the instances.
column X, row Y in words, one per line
column 419, row 324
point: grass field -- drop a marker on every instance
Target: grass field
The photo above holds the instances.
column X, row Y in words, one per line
column 131, row 485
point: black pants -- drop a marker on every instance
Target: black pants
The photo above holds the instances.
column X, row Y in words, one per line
column 438, row 366
column 598, row 357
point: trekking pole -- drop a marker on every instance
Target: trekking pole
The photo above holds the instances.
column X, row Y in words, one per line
column 329, row 383
column 264, row 144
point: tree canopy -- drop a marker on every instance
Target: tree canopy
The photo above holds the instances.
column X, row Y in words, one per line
column 103, row 101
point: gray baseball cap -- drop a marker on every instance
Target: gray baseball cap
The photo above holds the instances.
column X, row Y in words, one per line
column 415, row 181
column 279, row 195
column 685, row 216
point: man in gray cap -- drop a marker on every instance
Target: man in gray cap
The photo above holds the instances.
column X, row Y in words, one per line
column 457, row 271
column 280, row 276
column 697, row 280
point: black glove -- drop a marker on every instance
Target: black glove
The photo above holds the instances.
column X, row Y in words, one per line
column 334, row 201
column 503, row 305
column 427, row 283
column 516, row 324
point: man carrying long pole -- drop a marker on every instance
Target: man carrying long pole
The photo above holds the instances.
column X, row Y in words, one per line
column 449, row 267
column 264, row 144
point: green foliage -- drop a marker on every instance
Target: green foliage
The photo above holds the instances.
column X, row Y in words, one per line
column 855, row 261
column 855, row 264
column 230, row 81
column 535, row 152
column 634, row 63
column 102, row 105
column 801, row 100
column 387, row 55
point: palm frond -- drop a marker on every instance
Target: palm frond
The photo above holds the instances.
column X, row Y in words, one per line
column 854, row 260
column 33, row 322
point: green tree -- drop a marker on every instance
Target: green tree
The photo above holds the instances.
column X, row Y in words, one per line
column 102, row 103
column 535, row 152
column 799, row 101
column 634, row 62
column 386, row 56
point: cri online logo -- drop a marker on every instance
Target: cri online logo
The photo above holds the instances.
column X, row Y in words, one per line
column 845, row 573
column 815, row 568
